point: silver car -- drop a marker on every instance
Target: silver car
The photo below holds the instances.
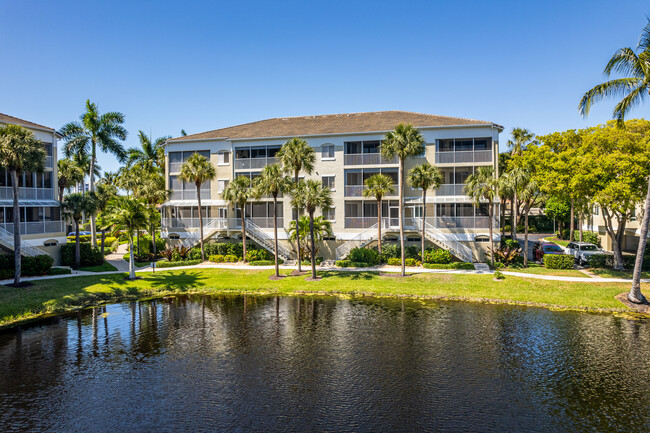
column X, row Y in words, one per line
column 582, row 251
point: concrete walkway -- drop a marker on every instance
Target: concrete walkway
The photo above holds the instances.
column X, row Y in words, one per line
column 116, row 258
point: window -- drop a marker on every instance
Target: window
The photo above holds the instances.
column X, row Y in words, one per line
column 329, row 214
column 482, row 144
column 481, row 239
column 223, row 158
column 50, row 243
column 222, row 184
column 414, row 239
column 329, row 238
column 596, row 210
column 464, row 145
column 352, row 147
column 445, row 145
column 329, row 181
column 327, row 151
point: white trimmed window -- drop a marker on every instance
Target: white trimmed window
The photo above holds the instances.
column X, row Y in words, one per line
column 329, row 214
column 329, row 181
column 222, row 184
column 223, row 158
column 327, row 151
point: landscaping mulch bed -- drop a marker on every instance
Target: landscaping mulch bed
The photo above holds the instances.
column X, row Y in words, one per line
column 641, row 308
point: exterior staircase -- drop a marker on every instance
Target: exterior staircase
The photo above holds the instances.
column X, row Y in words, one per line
column 361, row 240
column 210, row 227
column 264, row 240
column 7, row 241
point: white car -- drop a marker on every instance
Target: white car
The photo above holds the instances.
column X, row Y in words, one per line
column 582, row 251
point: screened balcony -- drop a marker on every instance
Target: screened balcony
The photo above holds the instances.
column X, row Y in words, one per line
column 463, row 151
column 365, row 153
column 255, row 157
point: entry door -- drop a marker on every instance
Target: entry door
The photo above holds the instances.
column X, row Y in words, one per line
column 223, row 215
column 393, row 216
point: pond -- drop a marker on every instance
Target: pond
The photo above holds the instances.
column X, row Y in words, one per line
column 313, row 364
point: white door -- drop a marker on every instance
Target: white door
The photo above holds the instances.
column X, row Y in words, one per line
column 393, row 216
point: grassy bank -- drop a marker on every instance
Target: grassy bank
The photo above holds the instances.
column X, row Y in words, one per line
column 58, row 295
column 540, row 270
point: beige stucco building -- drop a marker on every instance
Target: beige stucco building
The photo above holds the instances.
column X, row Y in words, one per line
column 42, row 228
column 347, row 148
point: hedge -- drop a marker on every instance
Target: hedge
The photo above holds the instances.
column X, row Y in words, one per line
column 227, row 248
column 318, row 260
column 438, row 256
column 265, row 262
column 231, row 258
column 607, row 261
column 454, row 265
column 351, row 264
column 59, row 271
column 395, row 261
column 216, row 258
column 165, row 264
column 30, row 266
column 590, row 237
column 558, row 261
column 365, row 255
column 90, row 256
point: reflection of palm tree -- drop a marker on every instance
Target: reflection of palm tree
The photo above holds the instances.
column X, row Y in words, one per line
column 378, row 186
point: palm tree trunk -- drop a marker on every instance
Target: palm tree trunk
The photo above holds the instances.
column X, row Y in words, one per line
column 275, row 234
column 93, row 228
column 103, row 237
column 243, row 232
column 526, row 210
column 571, row 223
column 153, row 242
column 198, row 197
column 401, row 214
column 131, row 260
column 635, row 294
column 502, row 220
column 490, row 213
column 17, row 263
column 295, row 179
column 424, row 218
column 77, row 247
column 313, row 246
column 61, row 190
column 515, row 217
column 379, row 226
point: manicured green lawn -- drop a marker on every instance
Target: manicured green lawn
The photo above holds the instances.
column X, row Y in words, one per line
column 541, row 270
column 610, row 273
column 57, row 295
column 558, row 241
column 104, row 267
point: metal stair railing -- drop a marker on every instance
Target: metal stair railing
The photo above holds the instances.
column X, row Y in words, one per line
column 264, row 240
column 360, row 240
column 443, row 239
column 7, row 239
column 212, row 226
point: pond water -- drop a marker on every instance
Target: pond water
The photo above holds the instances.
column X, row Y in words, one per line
column 312, row 364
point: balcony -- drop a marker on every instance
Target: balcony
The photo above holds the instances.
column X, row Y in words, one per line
column 450, row 189
column 367, row 159
column 410, row 223
column 463, row 157
column 175, row 167
column 193, row 223
column 254, row 163
column 6, row 193
column 189, row 195
column 38, row 227
column 477, row 222
column 263, row 222
column 357, row 191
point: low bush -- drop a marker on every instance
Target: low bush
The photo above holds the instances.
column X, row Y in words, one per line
column 343, row 263
column 254, row 255
column 30, row 266
column 607, row 261
column 216, row 258
column 365, row 255
column 265, row 262
column 390, row 251
column 558, row 261
column 59, row 271
column 319, row 260
column 564, row 234
column 590, row 237
column 90, row 256
column 82, row 238
column 438, row 256
column 499, row 275
column 166, row 264
column 227, row 248
column 598, row 260
column 360, row 265
column 454, row 265
column 194, row 254
column 412, row 252
column 231, row 258
column 411, row 262
column 394, row 261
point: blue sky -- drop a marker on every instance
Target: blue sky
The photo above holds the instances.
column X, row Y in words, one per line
column 205, row 65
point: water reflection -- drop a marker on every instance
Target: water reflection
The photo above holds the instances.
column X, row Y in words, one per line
column 306, row 363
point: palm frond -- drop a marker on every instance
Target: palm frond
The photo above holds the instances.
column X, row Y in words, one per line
column 617, row 87
column 626, row 62
column 634, row 98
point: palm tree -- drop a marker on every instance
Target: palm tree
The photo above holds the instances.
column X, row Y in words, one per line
column 20, row 152
column 150, row 155
column 104, row 193
column 237, row 194
column 424, row 176
column 633, row 88
column 314, row 196
column 402, row 142
column 378, row 186
column 521, row 138
column 322, row 228
column 514, row 178
column 198, row 169
column 128, row 214
column 151, row 190
column 110, row 178
column 69, row 174
column 95, row 131
column 75, row 206
column 530, row 196
column 482, row 186
column 295, row 156
column 272, row 182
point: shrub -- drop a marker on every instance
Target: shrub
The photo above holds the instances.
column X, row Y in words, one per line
column 254, row 255
column 564, row 234
column 82, row 238
column 165, row 264
column 390, row 251
column 395, row 261
column 265, row 262
column 231, row 258
column 590, row 237
column 194, row 254
column 510, row 243
column 343, row 263
column 318, row 260
column 598, row 260
column 411, row 262
column 145, row 244
column 30, row 266
column 454, row 265
column 365, row 255
column 438, row 256
column 216, row 258
column 59, row 271
column 89, row 256
column 498, row 275
column 558, row 261
column 412, row 252
column 360, row 264
column 507, row 255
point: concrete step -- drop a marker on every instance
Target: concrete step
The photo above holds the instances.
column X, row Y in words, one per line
column 481, row 266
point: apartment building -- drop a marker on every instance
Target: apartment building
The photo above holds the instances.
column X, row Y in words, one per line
column 42, row 228
column 347, row 148
column 596, row 223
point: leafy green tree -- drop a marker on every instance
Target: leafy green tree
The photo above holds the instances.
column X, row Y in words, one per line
column 150, row 155
column 377, row 186
column 322, row 228
column 634, row 87
column 75, row 206
column 198, row 170
column 424, row 176
column 272, row 182
column 95, row 131
column 130, row 215
column 69, row 174
column 20, row 152
column 314, row 196
column 237, row 194
column 295, row 156
column 558, row 208
column 402, row 142
column 481, row 186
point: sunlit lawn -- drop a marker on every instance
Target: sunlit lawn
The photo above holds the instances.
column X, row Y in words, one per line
column 541, row 270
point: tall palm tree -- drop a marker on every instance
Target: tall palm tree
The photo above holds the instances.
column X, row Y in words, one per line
column 20, row 152
column 633, row 88
column 151, row 190
column 150, row 155
column 521, row 138
column 237, row 194
column 69, row 174
column 95, row 131
column 378, row 186
column 314, row 196
column 295, row 156
column 198, row 170
column 531, row 195
column 515, row 177
column 110, row 178
column 272, row 182
column 75, row 206
column 104, row 193
column 424, row 176
column 322, row 228
column 128, row 214
column 482, row 186
column 402, row 142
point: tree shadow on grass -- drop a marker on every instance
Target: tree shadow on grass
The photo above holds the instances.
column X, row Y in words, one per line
column 353, row 276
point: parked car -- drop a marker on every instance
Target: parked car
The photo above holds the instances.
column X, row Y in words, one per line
column 582, row 251
column 542, row 248
column 81, row 233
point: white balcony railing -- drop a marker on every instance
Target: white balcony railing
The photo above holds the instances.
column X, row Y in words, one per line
column 367, row 159
column 254, row 163
column 194, row 223
column 410, row 223
column 357, row 190
column 38, row 227
column 450, row 189
column 6, row 193
column 263, row 222
column 463, row 157
column 189, row 195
